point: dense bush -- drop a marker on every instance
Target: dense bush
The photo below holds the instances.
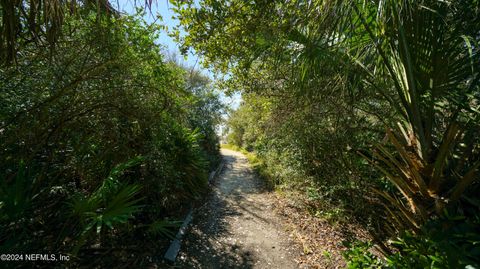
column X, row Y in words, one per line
column 450, row 242
column 308, row 147
column 100, row 152
column 366, row 107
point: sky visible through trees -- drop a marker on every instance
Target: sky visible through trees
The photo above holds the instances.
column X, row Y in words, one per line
column 361, row 117
column 192, row 60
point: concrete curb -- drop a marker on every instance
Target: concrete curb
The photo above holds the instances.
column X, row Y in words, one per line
column 174, row 248
column 172, row 251
column 215, row 173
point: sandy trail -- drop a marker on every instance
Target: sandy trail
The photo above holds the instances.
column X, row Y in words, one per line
column 237, row 227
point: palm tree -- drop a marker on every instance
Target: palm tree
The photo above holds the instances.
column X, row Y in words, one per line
column 428, row 53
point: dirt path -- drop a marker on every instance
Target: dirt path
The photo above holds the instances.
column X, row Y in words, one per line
column 237, row 227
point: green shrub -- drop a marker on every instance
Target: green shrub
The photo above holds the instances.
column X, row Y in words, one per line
column 449, row 242
column 73, row 124
column 445, row 243
column 358, row 256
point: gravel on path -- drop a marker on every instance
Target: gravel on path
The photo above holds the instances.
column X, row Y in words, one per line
column 237, row 227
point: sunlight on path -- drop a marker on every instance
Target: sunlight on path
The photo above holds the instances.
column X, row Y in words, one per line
column 237, row 228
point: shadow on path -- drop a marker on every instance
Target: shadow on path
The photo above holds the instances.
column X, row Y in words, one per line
column 236, row 228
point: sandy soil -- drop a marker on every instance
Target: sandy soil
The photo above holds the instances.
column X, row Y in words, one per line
column 237, row 227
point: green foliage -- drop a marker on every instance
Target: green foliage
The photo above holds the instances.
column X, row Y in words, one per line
column 230, row 147
column 17, row 196
column 431, row 162
column 111, row 204
column 163, row 227
column 321, row 81
column 42, row 21
column 205, row 114
column 450, row 242
column 358, row 256
column 104, row 143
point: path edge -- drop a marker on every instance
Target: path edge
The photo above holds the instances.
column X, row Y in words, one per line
column 172, row 252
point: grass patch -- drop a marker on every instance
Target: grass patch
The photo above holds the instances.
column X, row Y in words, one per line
column 260, row 168
column 256, row 163
column 230, row 147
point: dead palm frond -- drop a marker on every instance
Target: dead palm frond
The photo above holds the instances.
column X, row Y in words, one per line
column 40, row 21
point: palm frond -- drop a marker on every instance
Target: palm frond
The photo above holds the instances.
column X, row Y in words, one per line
column 163, row 228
